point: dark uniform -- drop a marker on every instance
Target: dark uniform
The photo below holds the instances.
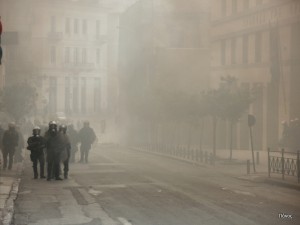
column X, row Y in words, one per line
column 10, row 142
column 86, row 137
column 65, row 154
column 36, row 145
column 54, row 145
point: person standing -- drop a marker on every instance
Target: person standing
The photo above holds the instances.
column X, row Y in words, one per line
column 65, row 154
column 36, row 144
column 10, row 142
column 54, row 146
column 87, row 137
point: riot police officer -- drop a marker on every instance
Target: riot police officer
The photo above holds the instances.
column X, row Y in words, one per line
column 65, row 154
column 54, row 145
column 36, row 144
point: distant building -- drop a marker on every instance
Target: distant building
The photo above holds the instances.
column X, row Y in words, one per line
column 258, row 41
column 64, row 46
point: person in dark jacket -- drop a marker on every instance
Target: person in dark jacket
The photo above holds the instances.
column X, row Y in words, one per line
column 65, row 154
column 36, row 144
column 54, row 146
column 10, row 142
column 86, row 137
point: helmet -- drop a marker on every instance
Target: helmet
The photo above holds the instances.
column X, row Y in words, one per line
column 53, row 126
column 63, row 128
column 36, row 131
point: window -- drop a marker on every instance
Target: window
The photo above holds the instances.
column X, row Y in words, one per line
column 53, row 55
column 76, row 56
column 83, row 55
column 245, row 48
column 223, row 51
column 83, row 95
column 53, row 24
column 67, row 25
column 258, row 38
column 52, row 94
column 98, row 56
column 76, row 26
column 67, row 55
column 75, row 95
column 246, row 4
column 67, row 95
column 98, row 28
column 233, row 51
column 223, row 9
column 84, row 26
column 97, row 95
column 234, row 6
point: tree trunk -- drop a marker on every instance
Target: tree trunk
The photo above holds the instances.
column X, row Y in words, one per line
column 231, row 131
column 214, row 134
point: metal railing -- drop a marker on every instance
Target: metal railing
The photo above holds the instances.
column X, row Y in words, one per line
column 179, row 152
column 284, row 163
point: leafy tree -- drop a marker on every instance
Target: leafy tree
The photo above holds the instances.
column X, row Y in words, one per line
column 19, row 100
column 234, row 103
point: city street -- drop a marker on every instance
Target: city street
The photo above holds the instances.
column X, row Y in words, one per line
column 123, row 186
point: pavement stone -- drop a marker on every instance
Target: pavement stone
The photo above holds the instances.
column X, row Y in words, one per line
column 9, row 186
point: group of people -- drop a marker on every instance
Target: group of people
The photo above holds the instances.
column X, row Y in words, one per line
column 57, row 146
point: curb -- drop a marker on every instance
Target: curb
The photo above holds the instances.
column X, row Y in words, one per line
column 9, row 209
column 282, row 183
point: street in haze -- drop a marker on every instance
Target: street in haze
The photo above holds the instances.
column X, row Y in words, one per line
column 124, row 186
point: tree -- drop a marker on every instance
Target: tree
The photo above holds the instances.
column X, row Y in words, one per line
column 234, row 103
column 19, row 100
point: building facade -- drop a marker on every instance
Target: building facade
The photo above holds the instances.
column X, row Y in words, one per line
column 63, row 48
column 258, row 42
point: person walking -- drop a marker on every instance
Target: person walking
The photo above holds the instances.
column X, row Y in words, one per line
column 54, row 146
column 87, row 137
column 36, row 144
column 10, row 142
column 65, row 154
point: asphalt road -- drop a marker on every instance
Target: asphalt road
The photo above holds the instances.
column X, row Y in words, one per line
column 127, row 187
column 149, row 190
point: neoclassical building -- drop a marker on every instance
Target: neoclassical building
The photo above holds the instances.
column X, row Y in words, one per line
column 69, row 48
column 258, row 41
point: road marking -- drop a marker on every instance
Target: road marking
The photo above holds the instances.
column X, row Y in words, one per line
column 124, row 221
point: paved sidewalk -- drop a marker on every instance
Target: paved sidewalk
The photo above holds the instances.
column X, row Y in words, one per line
column 9, row 184
column 237, row 167
column 42, row 202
